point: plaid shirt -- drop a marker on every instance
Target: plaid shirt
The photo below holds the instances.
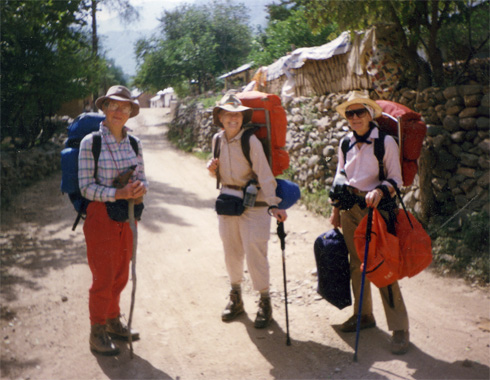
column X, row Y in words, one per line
column 115, row 158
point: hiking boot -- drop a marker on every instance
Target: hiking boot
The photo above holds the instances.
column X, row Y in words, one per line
column 400, row 342
column 264, row 315
column 101, row 342
column 234, row 307
column 118, row 330
column 367, row 322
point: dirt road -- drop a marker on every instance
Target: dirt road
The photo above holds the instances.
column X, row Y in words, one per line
column 182, row 288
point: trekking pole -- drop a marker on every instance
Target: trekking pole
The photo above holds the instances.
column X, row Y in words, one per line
column 132, row 224
column 282, row 236
column 363, row 278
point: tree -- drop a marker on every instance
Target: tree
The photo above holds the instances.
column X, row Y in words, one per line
column 197, row 43
column 127, row 13
column 287, row 30
column 418, row 24
column 45, row 62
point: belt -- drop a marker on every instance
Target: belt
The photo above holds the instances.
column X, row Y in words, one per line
column 355, row 191
column 234, row 187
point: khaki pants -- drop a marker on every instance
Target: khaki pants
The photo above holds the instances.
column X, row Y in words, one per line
column 396, row 317
column 247, row 236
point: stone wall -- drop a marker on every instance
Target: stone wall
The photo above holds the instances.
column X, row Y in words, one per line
column 456, row 149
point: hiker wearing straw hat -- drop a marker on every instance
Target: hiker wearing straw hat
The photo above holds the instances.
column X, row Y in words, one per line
column 110, row 242
column 360, row 174
column 244, row 231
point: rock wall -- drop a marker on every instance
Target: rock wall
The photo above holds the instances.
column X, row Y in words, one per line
column 456, row 149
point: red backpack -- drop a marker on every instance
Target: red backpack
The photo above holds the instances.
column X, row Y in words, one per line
column 270, row 124
column 409, row 130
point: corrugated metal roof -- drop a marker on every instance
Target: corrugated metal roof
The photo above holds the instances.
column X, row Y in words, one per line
column 236, row 71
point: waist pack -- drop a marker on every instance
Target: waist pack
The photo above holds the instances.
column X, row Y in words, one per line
column 390, row 257
column 229, row 205
column 119, row 210
column 332, row 262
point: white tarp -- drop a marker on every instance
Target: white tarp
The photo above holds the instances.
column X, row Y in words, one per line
column 297, row 58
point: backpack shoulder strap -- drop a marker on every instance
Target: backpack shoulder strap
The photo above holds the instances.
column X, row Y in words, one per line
column 96, row 147
column 216, row 153
column 344, row 146
column 245, row 141
column 379, row 152
column 134, row 144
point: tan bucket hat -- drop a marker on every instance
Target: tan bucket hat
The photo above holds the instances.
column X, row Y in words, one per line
column 229, row 102
column 122, row 94
column 358, row 97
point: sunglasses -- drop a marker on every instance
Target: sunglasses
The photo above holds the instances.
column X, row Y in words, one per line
column 360, row 113
column 124, row 108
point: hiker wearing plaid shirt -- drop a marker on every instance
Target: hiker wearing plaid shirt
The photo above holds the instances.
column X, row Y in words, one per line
column 110, row 242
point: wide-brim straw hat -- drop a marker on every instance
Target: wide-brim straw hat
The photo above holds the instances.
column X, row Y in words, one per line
column 358, row 97
column 122, row 94
column 231, row 103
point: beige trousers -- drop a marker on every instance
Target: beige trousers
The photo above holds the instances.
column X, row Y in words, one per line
column 396, row 317
column 247, row 236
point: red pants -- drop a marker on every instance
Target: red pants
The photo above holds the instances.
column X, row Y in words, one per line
column 109, row 252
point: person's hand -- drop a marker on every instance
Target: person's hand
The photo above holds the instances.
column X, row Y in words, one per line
column 132, row 190
column 212, row 165
column 373, row 198
column 335, row 218
column 280, row 215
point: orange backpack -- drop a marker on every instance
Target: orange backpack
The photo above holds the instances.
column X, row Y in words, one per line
column 270, row 124
column 391, row 257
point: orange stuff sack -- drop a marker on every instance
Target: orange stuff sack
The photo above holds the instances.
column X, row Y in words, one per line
column 391, row 257
column 415, row 245
column 383, row 261
column 270, row 104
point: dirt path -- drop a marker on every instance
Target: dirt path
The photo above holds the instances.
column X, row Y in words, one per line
column 182, row 288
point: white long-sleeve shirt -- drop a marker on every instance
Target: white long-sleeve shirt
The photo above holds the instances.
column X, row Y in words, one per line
column 362, row 168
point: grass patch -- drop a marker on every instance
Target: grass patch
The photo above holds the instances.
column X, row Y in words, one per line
column 463, row 250
column 317, row 202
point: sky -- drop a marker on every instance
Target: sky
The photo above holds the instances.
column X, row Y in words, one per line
column 117, row 39
column 150, row 10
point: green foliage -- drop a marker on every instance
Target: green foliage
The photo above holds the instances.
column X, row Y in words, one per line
column 464, row 250
column 197, row 44
column 287, row 30
column 46, row 60
column 317, row 202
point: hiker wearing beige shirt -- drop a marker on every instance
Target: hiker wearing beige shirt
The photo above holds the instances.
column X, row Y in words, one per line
column 244, row 235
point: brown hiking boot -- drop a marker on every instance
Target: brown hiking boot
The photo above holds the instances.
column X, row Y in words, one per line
column 118, row 330
column 264, row 315
column 367, row 321
column 234, row 307
column 400, row 342
column 100, row 341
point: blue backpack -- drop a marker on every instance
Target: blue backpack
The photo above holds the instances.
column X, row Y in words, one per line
column 83, row 125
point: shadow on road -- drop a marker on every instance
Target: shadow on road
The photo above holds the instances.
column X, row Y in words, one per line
column 123, row 367
column 423, row 365
column 300, row 360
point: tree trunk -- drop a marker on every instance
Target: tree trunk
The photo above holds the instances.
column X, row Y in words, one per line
column 95, row 50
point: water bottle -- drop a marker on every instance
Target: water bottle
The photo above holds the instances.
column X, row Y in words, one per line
column 250, row 195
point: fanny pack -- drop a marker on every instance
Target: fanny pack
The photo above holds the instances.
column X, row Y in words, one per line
column 118, row 210
column 229, row 205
